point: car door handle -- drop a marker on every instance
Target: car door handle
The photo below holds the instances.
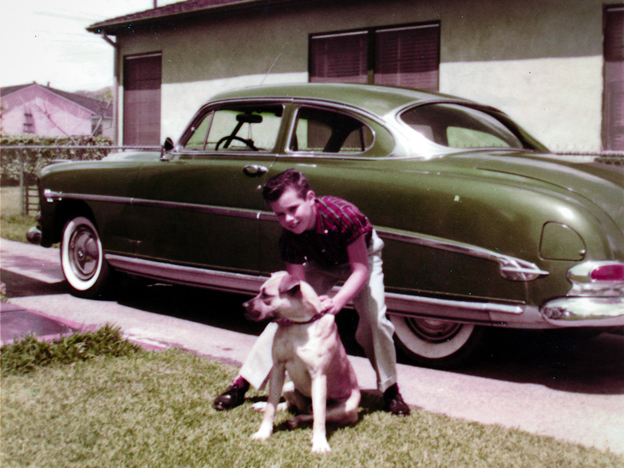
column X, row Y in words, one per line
column 254, row 170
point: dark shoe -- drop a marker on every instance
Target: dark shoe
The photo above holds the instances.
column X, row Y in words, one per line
column 396, row 405
column 234, row 396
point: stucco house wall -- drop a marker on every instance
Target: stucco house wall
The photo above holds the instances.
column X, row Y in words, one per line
column 541, row 61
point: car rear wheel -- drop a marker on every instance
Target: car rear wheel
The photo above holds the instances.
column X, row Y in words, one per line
column 82, row 258
column 436, row 343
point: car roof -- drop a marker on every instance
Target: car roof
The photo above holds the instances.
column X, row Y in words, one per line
column 379, row 100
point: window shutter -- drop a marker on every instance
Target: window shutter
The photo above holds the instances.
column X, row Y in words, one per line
column 408, row 57
column 613, row 119
column 614, row 35
column 339, row 58
column 142, row 82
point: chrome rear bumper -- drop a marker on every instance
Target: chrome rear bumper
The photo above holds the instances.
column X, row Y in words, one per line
column 585, row 311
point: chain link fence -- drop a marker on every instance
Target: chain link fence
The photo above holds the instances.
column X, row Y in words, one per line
column 22, row 164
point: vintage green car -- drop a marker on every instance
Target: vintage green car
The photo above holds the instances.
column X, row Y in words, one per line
column 482, row 226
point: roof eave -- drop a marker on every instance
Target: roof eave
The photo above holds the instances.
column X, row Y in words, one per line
column 112, row 28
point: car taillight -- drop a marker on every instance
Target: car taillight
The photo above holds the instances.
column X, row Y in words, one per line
column 608, row 272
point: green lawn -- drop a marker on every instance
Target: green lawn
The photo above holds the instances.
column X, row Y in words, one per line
column 13, row 225
column 154, row 410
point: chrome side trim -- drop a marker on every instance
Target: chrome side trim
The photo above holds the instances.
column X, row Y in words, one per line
column 194, row 207
column 585, row 311
column 410, row 304
column 511, row 268
column 398, row 304
column 190, row 276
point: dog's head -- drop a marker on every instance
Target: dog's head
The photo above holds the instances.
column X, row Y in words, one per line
column 283, row 296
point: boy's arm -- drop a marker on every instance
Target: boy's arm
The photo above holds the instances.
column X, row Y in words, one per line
column 360, row 273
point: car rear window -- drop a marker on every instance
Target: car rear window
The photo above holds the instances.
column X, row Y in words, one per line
column 457, row 126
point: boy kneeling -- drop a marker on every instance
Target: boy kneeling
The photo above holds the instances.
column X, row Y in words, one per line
column 326, row 240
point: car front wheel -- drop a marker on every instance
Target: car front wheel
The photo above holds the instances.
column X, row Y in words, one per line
column 436, row 343
column 82, row 258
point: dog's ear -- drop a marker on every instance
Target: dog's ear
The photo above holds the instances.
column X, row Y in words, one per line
column 289, row 284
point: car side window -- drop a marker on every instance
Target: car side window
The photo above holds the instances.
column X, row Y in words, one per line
column 237, row 128
column 458, row 126
column 327, row 131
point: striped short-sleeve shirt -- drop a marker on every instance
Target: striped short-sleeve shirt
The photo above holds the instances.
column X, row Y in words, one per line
column 338, row 224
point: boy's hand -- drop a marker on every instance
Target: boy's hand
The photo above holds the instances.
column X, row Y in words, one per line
column 328, row 305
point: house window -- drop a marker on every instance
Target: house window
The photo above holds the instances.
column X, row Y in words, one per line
column 141, row 113
column 29, row 121
column 407, row 56
column 613, row 120
column 341, row 58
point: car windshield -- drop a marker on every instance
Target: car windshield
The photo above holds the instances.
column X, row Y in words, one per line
column 457, row 126
column 236, row 128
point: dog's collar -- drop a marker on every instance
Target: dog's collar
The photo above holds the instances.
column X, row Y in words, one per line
column 287, row 322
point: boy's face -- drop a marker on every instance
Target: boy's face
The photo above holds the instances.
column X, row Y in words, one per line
column 295, row 213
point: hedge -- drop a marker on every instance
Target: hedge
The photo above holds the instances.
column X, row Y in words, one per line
column 38, row 158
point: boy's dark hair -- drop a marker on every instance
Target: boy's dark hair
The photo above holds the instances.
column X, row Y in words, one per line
column 277, row 185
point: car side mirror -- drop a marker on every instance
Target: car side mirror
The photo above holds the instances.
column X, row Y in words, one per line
column 166, row 147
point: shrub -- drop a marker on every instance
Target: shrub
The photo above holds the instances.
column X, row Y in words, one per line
column 29, row 354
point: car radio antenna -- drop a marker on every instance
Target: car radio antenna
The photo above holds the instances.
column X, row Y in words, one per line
column 273, row 64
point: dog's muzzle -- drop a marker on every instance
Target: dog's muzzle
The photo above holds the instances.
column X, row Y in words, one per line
column 252, row 312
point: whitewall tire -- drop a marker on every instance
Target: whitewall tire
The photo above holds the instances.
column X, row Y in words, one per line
column 82, row 258
column 436, row 343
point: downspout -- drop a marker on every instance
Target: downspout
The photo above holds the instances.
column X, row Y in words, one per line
column 116, row 77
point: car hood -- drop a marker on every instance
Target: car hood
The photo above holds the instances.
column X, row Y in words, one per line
column 599, row 182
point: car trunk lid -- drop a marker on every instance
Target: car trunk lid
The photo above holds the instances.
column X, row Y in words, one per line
column 599, row 180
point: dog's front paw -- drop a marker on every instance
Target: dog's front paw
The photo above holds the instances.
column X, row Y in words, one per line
column 320, row 445
column 262, row 434
column 259, row 406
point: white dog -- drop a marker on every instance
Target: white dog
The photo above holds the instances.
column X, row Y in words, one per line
column 308, row 346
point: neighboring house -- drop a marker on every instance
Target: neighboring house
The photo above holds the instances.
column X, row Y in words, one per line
column 42, row 110
column 556, row 67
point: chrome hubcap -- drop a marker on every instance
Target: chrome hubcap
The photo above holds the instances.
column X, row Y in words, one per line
column 434, row 331
column 84, row 253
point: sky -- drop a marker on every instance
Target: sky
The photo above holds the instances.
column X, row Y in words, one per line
column 46, row 41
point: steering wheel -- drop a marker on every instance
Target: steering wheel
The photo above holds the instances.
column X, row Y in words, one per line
column 229, row 139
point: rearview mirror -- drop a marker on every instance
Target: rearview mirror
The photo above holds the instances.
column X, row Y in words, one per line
column 249, row 118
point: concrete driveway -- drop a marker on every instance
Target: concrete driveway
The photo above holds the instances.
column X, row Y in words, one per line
column 567, row 390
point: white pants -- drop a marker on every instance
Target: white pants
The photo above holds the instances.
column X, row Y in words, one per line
column 374, row 332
